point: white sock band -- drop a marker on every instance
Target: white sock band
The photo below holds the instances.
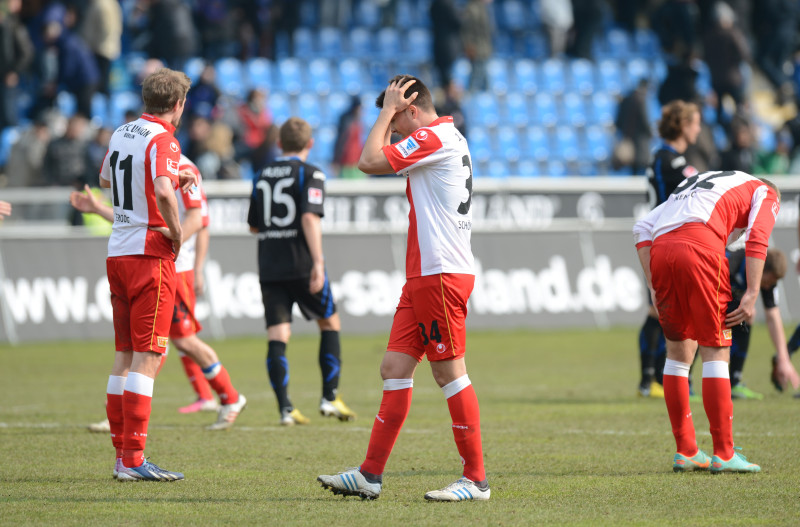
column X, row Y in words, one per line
column 452, row 388
column 678, row 369
column 141, row 384
column 716, row 368
column 397, row 384
column 116, row 385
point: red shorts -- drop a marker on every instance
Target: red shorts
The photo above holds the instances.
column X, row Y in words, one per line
column 142, row 296
column 692, row 285
column 430, row 318
column 184, row 323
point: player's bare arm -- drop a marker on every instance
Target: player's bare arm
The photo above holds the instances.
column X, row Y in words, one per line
column 168, row 206
column 192, row 222
column 373, row 160
column 86, row 201
column 784, row 370
column 644, row 260
column 105, row 183
column 754, row 268
column 201, row 250
column 312, row 231
column 5, row 209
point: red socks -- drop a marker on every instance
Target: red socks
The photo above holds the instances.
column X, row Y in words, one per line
column 394, row 408
column 676, row 395
column 195, row 375
column 217, row 376
column 719, row 407
column 114, row 390
column 136, row 402
column 465, row 412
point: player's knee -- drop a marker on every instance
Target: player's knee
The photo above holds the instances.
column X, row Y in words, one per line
column 331, row 323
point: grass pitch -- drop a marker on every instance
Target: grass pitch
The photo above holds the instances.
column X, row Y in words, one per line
column 566, row 441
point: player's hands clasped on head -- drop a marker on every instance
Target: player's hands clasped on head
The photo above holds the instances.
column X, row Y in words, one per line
column 395, row 99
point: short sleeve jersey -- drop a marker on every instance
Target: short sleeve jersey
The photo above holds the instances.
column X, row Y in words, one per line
column 138, row 153
column 728, row 203
column 282, row 193
column 192, row 199
column 436, row 161
column 738, row 272
column 668, row 170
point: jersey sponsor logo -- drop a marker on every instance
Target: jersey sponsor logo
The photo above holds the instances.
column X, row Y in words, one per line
column 407, row 147
column 174, row 147
column 678, row 162
column 162, row 341
column 172, row 166
column 689, row 171
column 421, row 135
column 726, row 334
column 440, row 348
column 315, row 196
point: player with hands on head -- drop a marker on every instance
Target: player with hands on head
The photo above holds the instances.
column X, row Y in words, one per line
column 440, row 274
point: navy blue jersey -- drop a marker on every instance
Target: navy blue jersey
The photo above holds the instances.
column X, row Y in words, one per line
column 669, row 168
column 282, row 193
column 738, row 270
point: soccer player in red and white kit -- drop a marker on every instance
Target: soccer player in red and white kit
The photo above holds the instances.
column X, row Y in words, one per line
column 430, row 317
column 142, row 170
column 681, row 246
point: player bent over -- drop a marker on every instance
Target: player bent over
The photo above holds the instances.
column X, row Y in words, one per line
column 141, row 168
column 430, row 317
column 681, row 246
column 285, row 210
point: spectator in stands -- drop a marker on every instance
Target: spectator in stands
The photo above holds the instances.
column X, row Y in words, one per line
column 741, row 154
column 16, row 55
column 779, row 161
column 557, row 19
column 588, row 16
column 255, row 121
column 334, row 13
column 202, row 98
column 96, row 151
column 703, row 154
column 349, row 142
column 476, row 34
column 725, row 52
column 26, row 158
column 101, row 29
column 451, row 105
column 285, row 18
column 213, row 20
column 173, row 36
column 675, row 22
column 680, row 82
column 446, row 37
column 633, row 124
column 65, row 158
column 775, row 27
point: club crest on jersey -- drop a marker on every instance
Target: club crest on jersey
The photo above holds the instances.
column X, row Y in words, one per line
column 172, row 166
column 407, row 146
column 162, row 341
column 315, row 196
column 689, row 171
column 174, row 147
column 421, row 135
column 726, row 334
column 440, row 348
column 775, row 208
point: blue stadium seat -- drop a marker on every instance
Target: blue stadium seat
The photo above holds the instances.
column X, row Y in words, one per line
column 536, row 145
column 369, row 112
column 8, row 137
column 485, row 111
column 351, row 77
column 289, row 77
column 308, row 108
column 367, row 15
column 512, row 16
column 585, row 168
column 66, row 103
column 303, row 40
column 553, row 78
column 404, row 16
column 122, row 102
column 361, row 44
column 720, row 137
column 536, row 46
column 508, row 144
column 503, row 45
column 329, row 43
column 419, row 40
column 565, row 143
column 528, row 168
column 194, row 67
column 646, row 43
column 258, row 74
column 462, row 69
column 619, row 44
column 229, row 77
column 279, row 106
column 574, row 110
column 479, row 144
column 599, row 143
column 659, row 67
column 320, row 76
column 497, row 70
column 609, row 75
column 516, row 109
column 388, row 47
column 336, row 104
column 525, row 76
column 703, row 78
column 498, row 169
column 653, row 106
column 556, row 168
column 637, row 69
column 582, row 76
column 766, row 137
column 604, row 109
column 546, row 112
column 100, row 111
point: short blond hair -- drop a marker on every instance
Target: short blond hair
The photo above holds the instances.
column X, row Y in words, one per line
column 295, row 134
column 162, row 89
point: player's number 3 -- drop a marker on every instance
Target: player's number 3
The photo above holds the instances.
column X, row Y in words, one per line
column 465, row 205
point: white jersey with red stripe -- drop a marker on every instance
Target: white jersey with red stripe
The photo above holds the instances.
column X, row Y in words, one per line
column 728, row 203
column 194, row 198
column 436, row 161
column 138, row 153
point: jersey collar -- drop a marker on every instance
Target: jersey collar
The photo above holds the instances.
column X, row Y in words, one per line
column 440, row 120
column 162, row 122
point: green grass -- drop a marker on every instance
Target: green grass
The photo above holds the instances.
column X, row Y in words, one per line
column 565, row 440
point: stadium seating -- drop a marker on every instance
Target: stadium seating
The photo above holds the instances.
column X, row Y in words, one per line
column 229, row 77
column 497, row 69
column 581, row 76
column 508, row 145
column 484, row 110
column 565, row 144
column 308, row 106
column 258, row 74
column 553, row 76
column 573, row 110
column 320, row 76
column 351, row 76
column 526, row 76
column 479, row 145
column 546, row 112
column 516, row 110
column 303, row 41
column 329, row 43
column 279, row 106
column 289, row 78
column 8, row 137
column 536, row 146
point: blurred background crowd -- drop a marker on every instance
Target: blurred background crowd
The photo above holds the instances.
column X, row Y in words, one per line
column 541, row 88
